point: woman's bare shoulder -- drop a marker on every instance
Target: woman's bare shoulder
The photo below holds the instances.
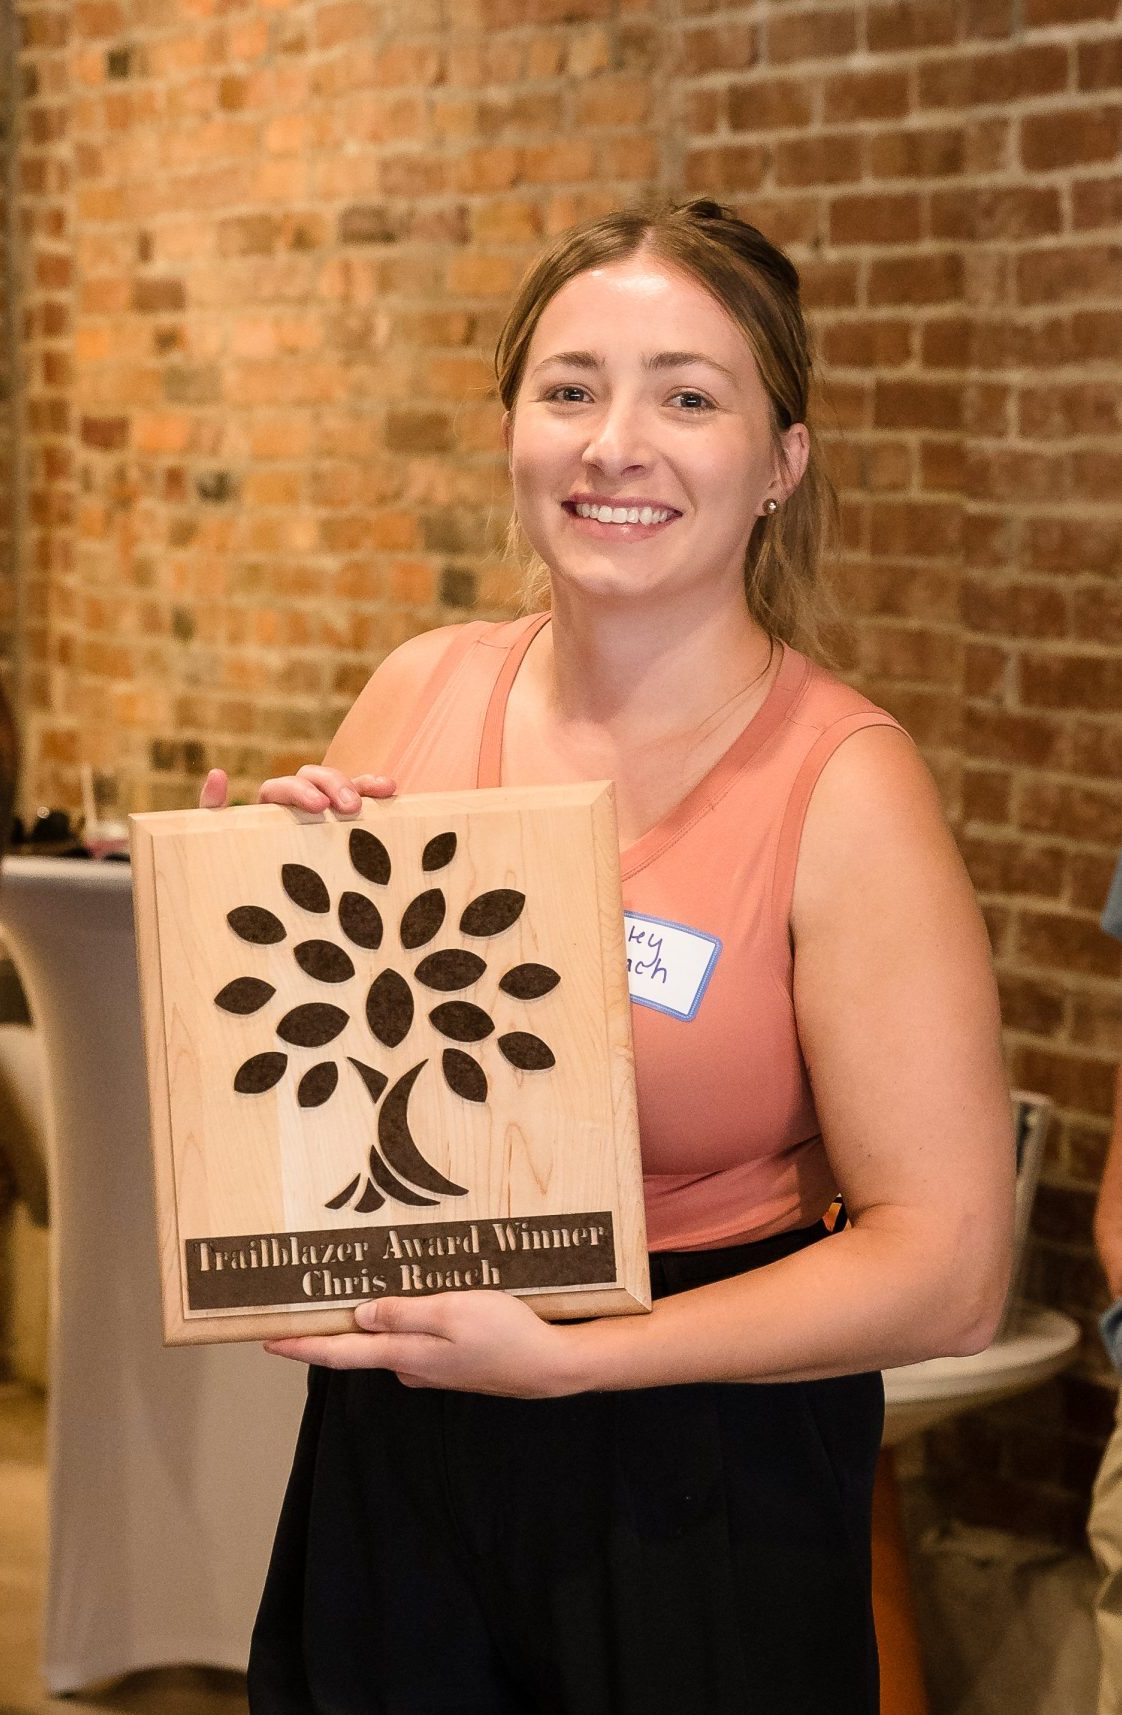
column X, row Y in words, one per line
column 379, row 712
column 876, row 839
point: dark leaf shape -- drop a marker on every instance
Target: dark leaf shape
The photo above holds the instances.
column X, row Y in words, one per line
column 324, row 961
column 360, row 920
column 396, row 1140
column 440, row 850
column 527, row 982
column 462, row 1021
column 375, row 1081
column 464, row 1076
column 369, row 856
column 345, row 1195
column 528, row 1053
column 304, row 887
column 452, row 969
column 254, row 923
column 260, row 1073
column 422, row 918
column 370, row 1200
column 318, row 1084
column 312, row 1025
column 244, row 994
column 492, row 912
column 396, row 1188
column 389, row 1008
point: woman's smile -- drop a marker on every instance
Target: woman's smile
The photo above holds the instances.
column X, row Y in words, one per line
column 605, row 521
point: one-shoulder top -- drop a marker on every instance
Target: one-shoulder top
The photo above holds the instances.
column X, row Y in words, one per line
column 730, row 1141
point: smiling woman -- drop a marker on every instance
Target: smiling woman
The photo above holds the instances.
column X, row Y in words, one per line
column 488, row 1515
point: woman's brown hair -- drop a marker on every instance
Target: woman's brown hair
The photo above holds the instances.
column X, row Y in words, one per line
column 759, row 288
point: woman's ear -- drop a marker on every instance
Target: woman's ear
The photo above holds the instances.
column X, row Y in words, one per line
column 796, row 452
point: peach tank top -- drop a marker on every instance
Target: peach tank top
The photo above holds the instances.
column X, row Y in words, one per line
column 730, row 1141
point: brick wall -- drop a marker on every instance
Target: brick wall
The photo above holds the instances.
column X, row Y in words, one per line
column 267, row 251
column 8, row 533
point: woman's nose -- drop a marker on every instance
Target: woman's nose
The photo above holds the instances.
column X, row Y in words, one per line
column 619, row 439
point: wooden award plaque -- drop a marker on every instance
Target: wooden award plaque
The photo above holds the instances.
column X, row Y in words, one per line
column 388, row 1055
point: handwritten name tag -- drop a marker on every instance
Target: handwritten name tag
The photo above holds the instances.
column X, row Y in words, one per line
column 668, row 965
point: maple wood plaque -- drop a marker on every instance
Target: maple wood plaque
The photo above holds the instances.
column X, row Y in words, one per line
column 388, row 1055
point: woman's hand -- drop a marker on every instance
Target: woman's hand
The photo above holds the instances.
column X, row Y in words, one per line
column 313, row 787
column 474, row 1342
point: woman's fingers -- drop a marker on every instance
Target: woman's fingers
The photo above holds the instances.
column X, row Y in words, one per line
column 313, row 787
column 214, row 788
column 317, row 787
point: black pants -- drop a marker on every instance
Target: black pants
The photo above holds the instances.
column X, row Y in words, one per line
column 699, row 1548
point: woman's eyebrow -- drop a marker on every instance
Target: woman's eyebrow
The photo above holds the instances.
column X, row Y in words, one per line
column 653, row 360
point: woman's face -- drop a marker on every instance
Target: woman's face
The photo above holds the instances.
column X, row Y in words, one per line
column 640, row 394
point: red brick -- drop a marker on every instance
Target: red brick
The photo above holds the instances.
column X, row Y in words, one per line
column 1033, row 1006
column 1015, row 609
column 828, row 284
column 994, row 76
column 987, row 796
column 1069, row 136
column 1057, row 941
column 860, row 95
column 914, row 529
column 1023, row 741
column 1095, row 472
column 612, row 102
column 1015, row 866
column 716, row 48
column 1099, row 63
column 1077, row 408
column 1096, row 1020
column 726, row 167
column 1074, row 546
column 810, row 35
column 884, row 219
column 905, row 24
column 927, row 278
column 770, row 103
column 1097, row 750
column 1096, row 202
column 1089, row 878
column 1097, row 614
column 907, row 404
column 1073, row 1081
column 987, row 213
column 823, row 158
column 1065, row 273
column 878, row 343
column 1045, row 12
column 1060, row 680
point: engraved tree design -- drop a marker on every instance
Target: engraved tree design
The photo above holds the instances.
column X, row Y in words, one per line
column 395, row 1167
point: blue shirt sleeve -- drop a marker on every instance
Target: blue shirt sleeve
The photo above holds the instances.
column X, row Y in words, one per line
column 1112, row 911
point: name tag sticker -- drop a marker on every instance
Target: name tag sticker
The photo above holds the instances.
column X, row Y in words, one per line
column 668, row 964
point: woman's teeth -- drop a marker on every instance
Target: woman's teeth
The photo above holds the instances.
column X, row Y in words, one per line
column 622, row 514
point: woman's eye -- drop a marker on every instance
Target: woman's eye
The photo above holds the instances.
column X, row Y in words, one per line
column 569, row 388
column 689, row 394
column 683, row 393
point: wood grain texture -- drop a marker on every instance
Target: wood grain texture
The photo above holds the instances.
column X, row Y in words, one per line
column 544, row 1135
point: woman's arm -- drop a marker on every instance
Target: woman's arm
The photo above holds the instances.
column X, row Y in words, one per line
column 898, row 1017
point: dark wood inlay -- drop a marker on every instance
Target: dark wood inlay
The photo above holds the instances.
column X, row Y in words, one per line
column 528, row 1053
column 305, row 888
column 244, row 994
column 253, row 923
column 369, row 856
column 492, row 912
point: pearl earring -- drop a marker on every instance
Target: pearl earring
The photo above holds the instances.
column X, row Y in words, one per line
column 771, row 506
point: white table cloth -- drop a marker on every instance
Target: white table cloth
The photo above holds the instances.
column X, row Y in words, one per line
column 166, row 1467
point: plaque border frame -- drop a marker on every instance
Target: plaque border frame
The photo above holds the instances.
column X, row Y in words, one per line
column 629, row 1295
